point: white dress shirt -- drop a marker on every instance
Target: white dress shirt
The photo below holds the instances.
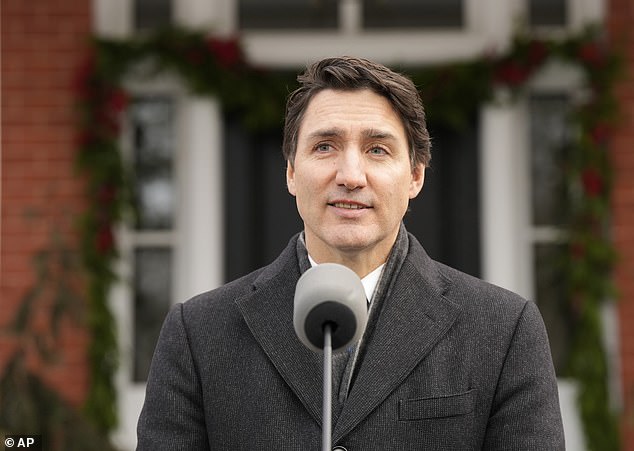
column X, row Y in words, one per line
column 369, row 282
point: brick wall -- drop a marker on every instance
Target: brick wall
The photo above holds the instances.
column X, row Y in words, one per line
column 620, row 20
column 43, row 43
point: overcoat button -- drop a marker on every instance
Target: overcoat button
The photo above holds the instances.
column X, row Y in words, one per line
column 339, row 448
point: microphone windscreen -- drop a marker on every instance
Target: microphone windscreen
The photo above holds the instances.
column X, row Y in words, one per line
column 329, row 294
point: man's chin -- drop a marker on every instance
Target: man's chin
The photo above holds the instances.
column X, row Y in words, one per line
column 347, row 239
column 351, row 242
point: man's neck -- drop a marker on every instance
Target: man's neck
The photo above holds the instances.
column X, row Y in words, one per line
column 362, row 262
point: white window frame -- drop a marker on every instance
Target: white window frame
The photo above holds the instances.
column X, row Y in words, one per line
column 489, row 26
column 131, row 393
column 508, row 234
column 196, row 240
column 295, row 48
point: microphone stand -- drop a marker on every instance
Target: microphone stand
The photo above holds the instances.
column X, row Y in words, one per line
column 327, row 394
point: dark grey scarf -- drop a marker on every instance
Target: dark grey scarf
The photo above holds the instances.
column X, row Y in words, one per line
column 345, row 364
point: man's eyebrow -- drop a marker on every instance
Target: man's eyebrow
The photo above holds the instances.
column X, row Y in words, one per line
column 325, row 133
column 371, row 133
column 378, row 134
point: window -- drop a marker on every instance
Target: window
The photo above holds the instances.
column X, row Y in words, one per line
column 173, row 246
column 413, row 14
column 547, row 13
column 549, row 135
column 151, row 123
column 152, row 288
column 280, row 14
column 149, row 14
column 328, row 14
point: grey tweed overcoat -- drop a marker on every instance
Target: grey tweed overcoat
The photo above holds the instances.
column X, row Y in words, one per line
column 453, row 363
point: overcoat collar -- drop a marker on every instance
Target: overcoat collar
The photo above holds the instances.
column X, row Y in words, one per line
column 413, row 319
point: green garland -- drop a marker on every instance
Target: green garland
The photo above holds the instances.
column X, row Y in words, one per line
column 452, row 93
column 28, row 403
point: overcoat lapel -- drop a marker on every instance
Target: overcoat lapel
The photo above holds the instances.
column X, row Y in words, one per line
column 268, row 312
column 413, row 318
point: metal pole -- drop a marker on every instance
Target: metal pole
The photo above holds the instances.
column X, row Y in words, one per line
column 327, row 400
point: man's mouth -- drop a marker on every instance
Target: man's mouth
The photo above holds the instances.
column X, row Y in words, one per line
column 349, row 205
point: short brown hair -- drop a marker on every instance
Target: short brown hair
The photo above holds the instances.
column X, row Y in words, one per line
column 347, row 73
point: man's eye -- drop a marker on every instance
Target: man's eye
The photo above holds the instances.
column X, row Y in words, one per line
column 323, row 147
column 377, row 151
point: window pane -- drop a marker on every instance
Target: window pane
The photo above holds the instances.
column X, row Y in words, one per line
column 288, row 14
column 549, row 135
column 413, row 14
column 547, row 13
column 150, row 14
column 152, row 289
column 154, row 191
column 551, row 299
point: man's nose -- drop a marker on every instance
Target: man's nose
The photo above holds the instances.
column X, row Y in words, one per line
column 351, row 169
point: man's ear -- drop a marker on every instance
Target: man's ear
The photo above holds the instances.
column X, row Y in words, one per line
column 290, row 177
column 418, row 179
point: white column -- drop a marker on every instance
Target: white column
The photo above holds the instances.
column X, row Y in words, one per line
column 350, row 16
column 112, row 18
column 200, row 227
column 215, row 16
column 504, row 197
column 570, row 414
column 586, row 12
column 494, row 20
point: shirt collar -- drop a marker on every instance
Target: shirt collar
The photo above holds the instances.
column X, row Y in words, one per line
column 369, row 282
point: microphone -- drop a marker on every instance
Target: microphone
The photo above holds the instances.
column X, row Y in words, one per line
column 329, row 294
column 329, row 313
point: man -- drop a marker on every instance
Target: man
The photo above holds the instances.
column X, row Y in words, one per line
column 447, row 362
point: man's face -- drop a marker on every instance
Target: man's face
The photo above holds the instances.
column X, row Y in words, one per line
column 352, row 176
